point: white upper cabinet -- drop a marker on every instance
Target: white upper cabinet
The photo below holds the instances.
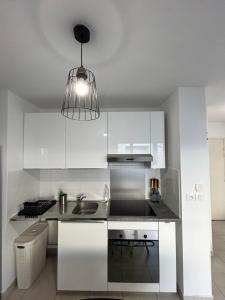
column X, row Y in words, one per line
column 157, row 139
column 86, row 143
column 128, row 132
column 44, row 141
column 52, row 142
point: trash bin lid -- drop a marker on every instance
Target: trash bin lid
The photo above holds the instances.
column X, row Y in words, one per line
column 31, row 233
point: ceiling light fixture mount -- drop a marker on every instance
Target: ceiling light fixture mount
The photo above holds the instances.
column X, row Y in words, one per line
column 80, row 100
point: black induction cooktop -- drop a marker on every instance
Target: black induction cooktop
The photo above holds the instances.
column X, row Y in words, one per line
column 131, row 208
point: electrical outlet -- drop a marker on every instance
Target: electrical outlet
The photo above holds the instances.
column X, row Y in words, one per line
column 190, row 197
column 199, row 196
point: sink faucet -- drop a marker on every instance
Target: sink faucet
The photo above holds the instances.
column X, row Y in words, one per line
column 80, row 197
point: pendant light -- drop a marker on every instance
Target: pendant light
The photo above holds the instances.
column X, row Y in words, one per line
column 80, row 100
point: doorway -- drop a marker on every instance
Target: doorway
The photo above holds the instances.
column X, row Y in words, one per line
column 217, row 177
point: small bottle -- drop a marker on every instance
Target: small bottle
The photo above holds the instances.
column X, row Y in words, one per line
column 106, row 193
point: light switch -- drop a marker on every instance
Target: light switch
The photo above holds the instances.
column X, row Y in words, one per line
column 199, row 188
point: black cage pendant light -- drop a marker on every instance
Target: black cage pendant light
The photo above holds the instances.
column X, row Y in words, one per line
column 80, row 100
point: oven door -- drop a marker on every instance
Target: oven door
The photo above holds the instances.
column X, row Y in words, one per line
column 133, row 256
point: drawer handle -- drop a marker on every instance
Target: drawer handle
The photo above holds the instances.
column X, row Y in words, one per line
column 81, row 221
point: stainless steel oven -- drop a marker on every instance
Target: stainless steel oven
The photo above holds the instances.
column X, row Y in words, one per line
column 133, row 256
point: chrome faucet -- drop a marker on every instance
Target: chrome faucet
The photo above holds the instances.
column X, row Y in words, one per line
column 80, row 197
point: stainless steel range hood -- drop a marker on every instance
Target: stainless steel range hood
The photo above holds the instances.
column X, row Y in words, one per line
column 130, row 158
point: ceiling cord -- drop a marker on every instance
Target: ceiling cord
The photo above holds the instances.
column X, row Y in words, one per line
column 81, row 54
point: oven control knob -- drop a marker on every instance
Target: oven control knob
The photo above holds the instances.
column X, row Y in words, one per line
column 145, row 236
column 121, row 236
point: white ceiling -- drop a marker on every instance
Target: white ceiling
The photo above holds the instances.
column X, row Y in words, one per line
column 140, row 51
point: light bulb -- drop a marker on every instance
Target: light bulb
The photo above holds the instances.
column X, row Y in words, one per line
column 81, row 87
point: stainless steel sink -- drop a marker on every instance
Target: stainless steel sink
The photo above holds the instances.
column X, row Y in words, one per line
column 85, row 208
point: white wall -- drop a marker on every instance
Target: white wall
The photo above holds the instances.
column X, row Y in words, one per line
column 216, row 130
column 196, row 215
column 18, row 185
column 190, row 154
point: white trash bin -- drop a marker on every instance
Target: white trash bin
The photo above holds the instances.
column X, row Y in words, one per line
column 31, row 254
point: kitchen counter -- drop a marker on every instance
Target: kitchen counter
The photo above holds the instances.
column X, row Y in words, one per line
column 60, row 213
column 56, row 212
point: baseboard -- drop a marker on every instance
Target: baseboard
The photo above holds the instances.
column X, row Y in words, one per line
column 193, row 297
column 9, row 289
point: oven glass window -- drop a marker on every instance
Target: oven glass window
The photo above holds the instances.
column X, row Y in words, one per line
column 134, row 261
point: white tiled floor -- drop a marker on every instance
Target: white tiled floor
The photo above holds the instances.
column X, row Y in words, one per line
column 44, row 288
column 218, row 260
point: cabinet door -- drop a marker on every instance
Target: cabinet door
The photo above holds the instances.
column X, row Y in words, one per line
column 167, row 257
column 86, row 143
column 129, row 132
column 157, row 139
column 82, row 256
column 44, row 141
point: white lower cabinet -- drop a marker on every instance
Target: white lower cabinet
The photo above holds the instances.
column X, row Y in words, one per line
column 82, row 256
column 167, row 257
column 83, row 251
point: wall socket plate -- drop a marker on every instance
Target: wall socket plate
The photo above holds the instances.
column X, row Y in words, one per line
column 195, row 197
column 190, row 197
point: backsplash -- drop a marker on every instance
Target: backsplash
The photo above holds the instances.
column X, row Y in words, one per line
column 74, row 181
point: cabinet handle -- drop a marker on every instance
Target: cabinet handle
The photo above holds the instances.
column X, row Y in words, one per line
column 81, row 221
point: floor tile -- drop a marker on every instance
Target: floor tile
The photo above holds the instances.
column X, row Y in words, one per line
column 139, row 296
column 72, row 295
column 168, row 296
column 113, row 295
column 15, row 294
column 219, row 281
column 218, row 265
column 65, row 297
column 44, row 287
column 217, row 293
column 219, row 244
column 220, row 254
column 218, row 227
